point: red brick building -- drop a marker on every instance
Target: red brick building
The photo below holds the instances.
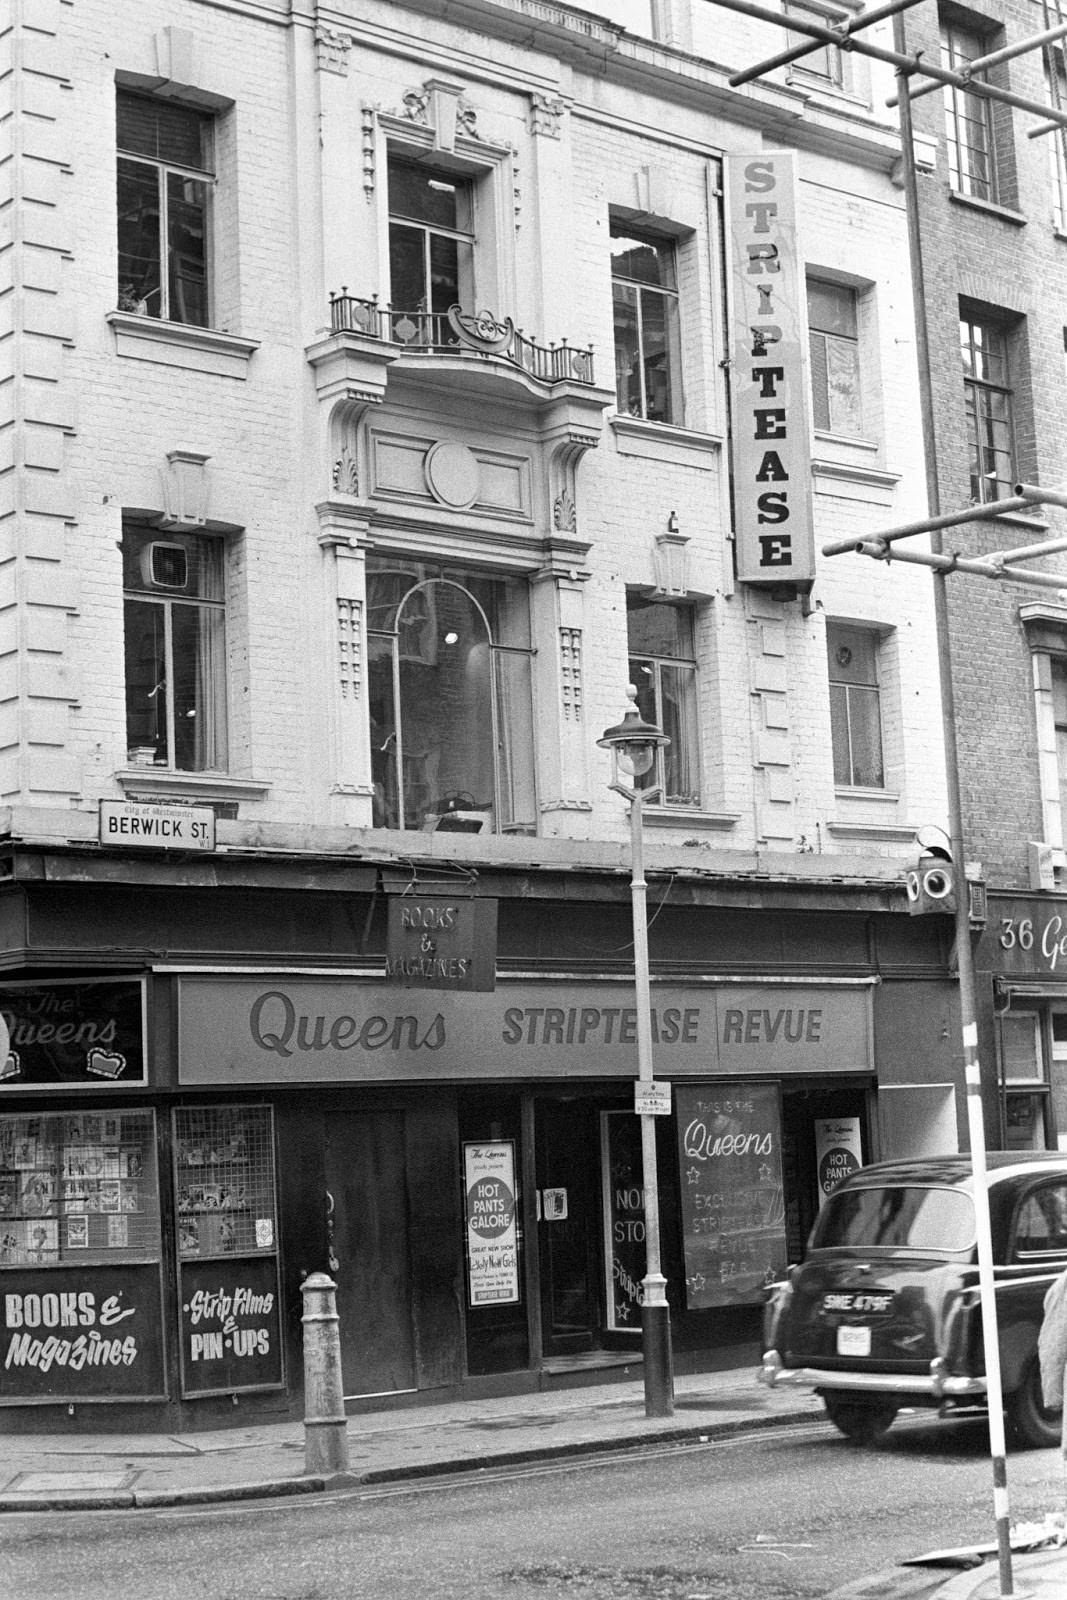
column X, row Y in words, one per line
column 992, row 227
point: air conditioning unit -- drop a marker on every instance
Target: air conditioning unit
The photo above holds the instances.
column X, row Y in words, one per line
column 1048, row 865
column 164, row 565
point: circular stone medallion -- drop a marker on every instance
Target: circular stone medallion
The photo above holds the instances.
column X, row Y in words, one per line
column 452, row 474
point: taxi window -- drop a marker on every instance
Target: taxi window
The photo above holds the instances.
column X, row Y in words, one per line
column 1041, row 1224
column 899, row 1215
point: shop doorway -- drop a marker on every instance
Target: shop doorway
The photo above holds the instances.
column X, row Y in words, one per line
column 568, row 1183
column 366, row 1180
column 806, row 1111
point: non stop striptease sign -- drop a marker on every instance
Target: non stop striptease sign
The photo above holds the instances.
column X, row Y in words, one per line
column 771, row 431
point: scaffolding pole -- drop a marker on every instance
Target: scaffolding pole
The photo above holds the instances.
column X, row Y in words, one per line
column 840, row 32
column 906, row 64
column 993, row 59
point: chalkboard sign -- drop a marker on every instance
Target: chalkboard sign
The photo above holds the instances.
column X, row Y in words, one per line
column 733, row 1215
column 73, row 1334
column 230, row 1326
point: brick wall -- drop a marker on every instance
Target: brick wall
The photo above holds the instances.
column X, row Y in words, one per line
column 1011, row 260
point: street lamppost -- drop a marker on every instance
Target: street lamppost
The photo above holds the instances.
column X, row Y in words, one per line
column 633, row 743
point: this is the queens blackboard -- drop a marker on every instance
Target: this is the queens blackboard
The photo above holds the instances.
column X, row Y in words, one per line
column 733, row 1213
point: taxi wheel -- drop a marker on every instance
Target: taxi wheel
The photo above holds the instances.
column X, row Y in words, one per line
column 862, row 1421
column 1033, row 1424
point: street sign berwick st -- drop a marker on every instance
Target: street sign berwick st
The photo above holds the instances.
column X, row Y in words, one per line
column 144, row 825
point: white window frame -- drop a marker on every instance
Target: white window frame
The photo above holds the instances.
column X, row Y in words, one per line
column 164, row 170
column 853, row 343
column 430, row 230
column 980, row 393
column 166, row 603
column 1046, row 629
column 686, row 664
column 876, row 636
column 964, row 111
column 619, row 228
column 835, row 75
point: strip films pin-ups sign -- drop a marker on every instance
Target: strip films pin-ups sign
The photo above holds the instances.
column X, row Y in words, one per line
column 771, row 430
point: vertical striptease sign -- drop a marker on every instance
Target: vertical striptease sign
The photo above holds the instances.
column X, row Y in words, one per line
column 768, row 322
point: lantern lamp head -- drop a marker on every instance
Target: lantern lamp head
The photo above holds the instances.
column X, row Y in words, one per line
column 633, row 741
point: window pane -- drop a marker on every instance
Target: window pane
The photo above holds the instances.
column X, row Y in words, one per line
column 383, row 735
column 843, row 386
column 681, row 784
column 146, row 698
column 627, row 351
column 464, row 727
column 1024, row 1122
column 446, row 705
column 915, row 1218
column 644, row 677
column 832, row 308
column 839, row 735
column 423, row 195
column 985, row 352
column 643, row 260
column 138, row 256
column 989, row 417
column 163, row 130
column 407, row 269
column 865, row 729
column 821, row 61
column 1020, row 1037
column 655, row 628
column 852, row 655
column 199, row 649
column 968, row 121
column 515, row 741
column 659, row 358
column 820, row 392
column 855, row 709
column 187, row 249
column 451, row 273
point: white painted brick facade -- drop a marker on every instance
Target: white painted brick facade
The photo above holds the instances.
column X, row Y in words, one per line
column 299, row 212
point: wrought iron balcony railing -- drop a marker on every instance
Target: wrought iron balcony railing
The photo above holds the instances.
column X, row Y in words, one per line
column 444, row 332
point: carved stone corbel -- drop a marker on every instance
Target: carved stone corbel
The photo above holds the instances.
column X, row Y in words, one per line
column 546, row 115
column 565, row 452
column 442, row 107
column 331, row 50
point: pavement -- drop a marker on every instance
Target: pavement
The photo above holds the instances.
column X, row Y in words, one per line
column 130, row 1471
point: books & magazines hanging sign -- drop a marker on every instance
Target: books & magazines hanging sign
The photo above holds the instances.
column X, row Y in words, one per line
column 441, row 942
column 771, row 436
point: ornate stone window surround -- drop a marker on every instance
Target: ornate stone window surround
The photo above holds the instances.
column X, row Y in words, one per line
column 490, row 170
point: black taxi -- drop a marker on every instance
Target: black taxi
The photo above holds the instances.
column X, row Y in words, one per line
column 884, row 1312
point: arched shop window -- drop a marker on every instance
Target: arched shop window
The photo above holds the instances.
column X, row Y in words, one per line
column 451, row 710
